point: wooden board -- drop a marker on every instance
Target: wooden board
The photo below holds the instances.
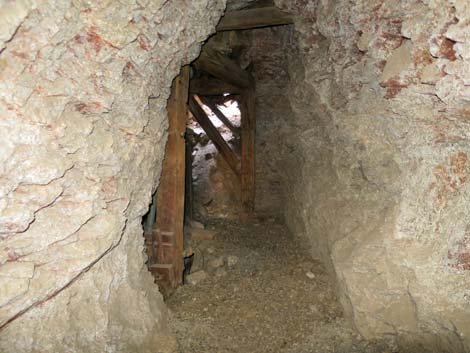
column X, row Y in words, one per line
column 188, row 201
column 195, row 107
column 253, row 18
column 223, row 68
column 205, row 86
column 167, row 259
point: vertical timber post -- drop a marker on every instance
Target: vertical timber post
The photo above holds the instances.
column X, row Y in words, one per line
column 188, row 201
column 167, row 261
column 247, row 176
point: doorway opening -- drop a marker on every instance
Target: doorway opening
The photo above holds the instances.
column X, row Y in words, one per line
column 215, row 187
column 210, row 153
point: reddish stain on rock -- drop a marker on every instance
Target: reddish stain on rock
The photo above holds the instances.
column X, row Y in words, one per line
column 459, row 256
column 422, row 57
column 95, row 40
column 397, row 23
column 381, row 65
column 143, row 43
column 446, row 48
column 458, row 165
column 87, row 108
column 19, row 54
column 443, row 186
column 462, row 114
column 13, row 256
column 390, row 41
column 129, row 70
column 393, row 88
column 450, row 180
column 79, row 39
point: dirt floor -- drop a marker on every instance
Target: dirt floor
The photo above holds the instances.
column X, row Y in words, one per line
column 261, row 293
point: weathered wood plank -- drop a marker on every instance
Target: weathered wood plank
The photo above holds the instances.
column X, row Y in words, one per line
column 254, row 18
column 223, row 68
column 205, row 86
column 167, row 259
column 195, row 107
column 188, row 202
column 221, row 116
column 247, row 175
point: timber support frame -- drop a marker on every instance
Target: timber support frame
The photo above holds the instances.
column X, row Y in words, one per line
column 230, row 78
column 166, row 243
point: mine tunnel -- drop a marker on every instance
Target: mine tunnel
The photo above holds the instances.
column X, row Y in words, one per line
column 234, row 176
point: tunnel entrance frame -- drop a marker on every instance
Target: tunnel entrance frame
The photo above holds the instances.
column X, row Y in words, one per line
column 165, row 241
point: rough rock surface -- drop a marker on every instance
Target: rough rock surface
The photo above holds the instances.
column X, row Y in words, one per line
column 378, row 175
column 269, row 65
column 238, row 4
column 83, row 89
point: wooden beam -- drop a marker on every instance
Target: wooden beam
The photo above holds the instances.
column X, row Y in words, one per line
column 205, row 86
column 195, row 107
column 189, row 194
column 167, row 235
column 254, row 18
column 223, row 68
column 247, row 177
column 221, row 116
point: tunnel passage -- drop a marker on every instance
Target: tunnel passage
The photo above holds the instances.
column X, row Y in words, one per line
column 216, row 77
column 371, row 154
column 372, row 162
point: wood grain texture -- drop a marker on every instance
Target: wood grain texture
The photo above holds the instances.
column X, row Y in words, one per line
column 167, row 254
column 253, row 18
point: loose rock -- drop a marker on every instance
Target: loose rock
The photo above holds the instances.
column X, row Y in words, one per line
column 232, row 260
column 196, row 277
column 216, row 263
column 196, row 225
column 310, row 275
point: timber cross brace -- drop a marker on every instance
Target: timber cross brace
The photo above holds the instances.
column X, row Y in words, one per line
column 217, row 78
column 228, row 78
column 165, row 241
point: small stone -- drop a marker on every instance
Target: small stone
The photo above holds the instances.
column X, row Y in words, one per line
column 310, row 275
column 216, row 263
column 188, row 252
column 196, row 277
column 232, row 260
column 196, row 225
column 210, row 250
column 314, row 309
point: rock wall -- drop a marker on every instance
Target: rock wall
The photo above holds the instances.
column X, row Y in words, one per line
column 378, row 174
column 83, row 89
column 268, row 58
